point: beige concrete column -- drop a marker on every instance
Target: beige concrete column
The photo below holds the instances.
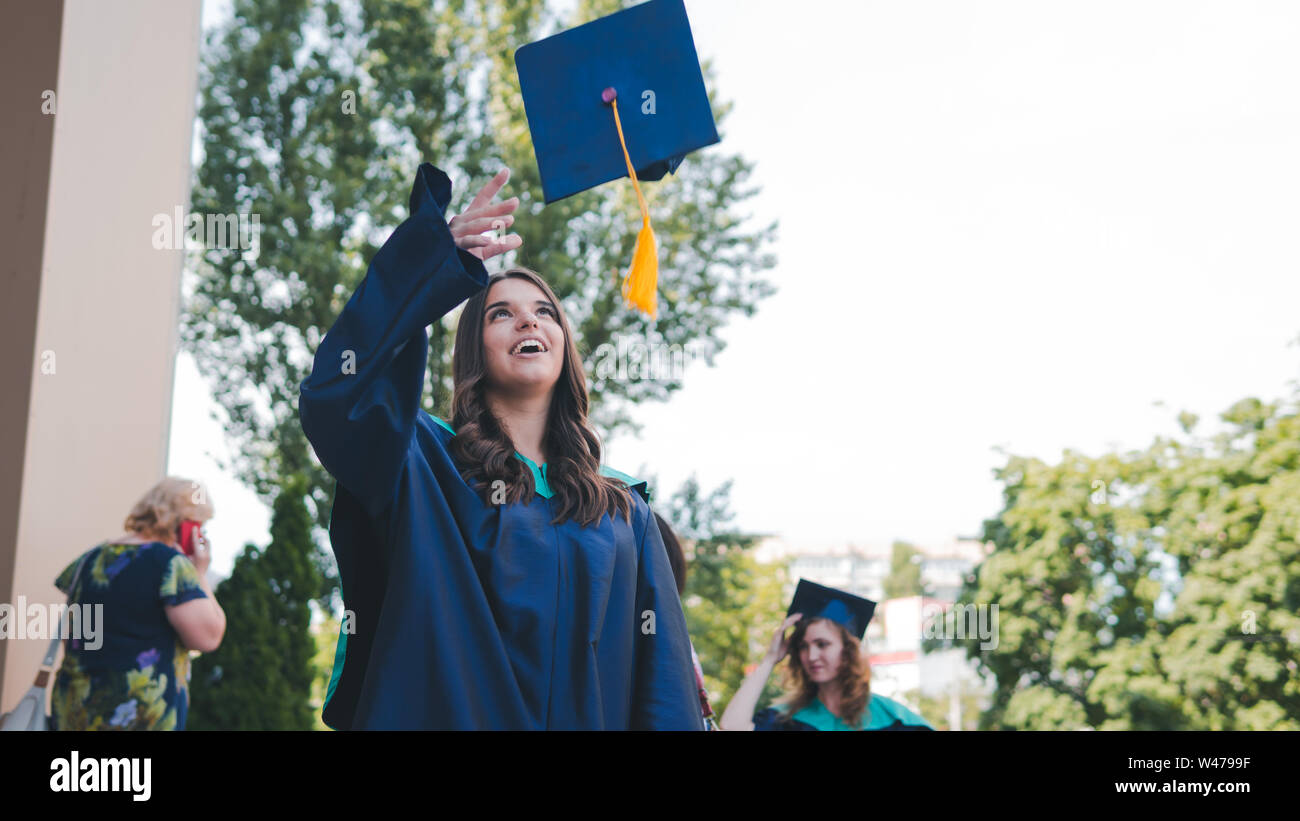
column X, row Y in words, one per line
column 90, row 307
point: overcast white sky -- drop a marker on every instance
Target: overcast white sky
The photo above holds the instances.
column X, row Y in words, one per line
column 1002, row 223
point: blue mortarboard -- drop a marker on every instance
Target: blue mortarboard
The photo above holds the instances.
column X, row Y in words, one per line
column 816, row 601
column 646, row 54
column 618, row 94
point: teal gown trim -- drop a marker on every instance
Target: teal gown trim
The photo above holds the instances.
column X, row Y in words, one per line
column 539, row 471
column 882, row 713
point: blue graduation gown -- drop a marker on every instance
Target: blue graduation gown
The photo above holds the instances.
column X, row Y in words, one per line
column 469, row 615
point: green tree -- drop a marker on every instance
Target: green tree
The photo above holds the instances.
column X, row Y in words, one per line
column 937, row 709
column 325, row 636
column 904, row 577
column 314, row 115
column 261, row 676
column 732, row 601
column 1156, row 589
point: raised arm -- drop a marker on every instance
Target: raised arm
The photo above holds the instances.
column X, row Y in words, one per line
column 739, row 714
column 358, row 407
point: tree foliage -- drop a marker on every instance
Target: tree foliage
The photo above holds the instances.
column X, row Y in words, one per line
column 314, row 115
column 937, row 708
column 732, row 602
column 261, row 676
column 904, row 577
column 1155, row 589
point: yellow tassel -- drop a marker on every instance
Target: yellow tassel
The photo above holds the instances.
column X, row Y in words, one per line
column 643, row 277
column 639, row 287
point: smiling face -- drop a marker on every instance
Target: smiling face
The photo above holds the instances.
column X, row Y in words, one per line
column 523, row 342
column 820, row 651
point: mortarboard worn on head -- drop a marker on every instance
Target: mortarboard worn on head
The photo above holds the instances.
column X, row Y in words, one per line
column 816, row 601
column 572, row 84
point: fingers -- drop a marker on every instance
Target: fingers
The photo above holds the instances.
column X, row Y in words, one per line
column 477, row 226
column 499, row 246
column 499, row 208
column 488, row 213
column 484, row 215
column 789, row 620
column 487, row 247
column 490, row 190
column 506, row 243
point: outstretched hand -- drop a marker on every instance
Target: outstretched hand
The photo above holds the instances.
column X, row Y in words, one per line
column 484, row 215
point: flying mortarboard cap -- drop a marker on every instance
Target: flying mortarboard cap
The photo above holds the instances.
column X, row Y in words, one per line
column 816, row 601
column 572, row 84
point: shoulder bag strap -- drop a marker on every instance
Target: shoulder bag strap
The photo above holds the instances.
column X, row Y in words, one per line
column 42, row 676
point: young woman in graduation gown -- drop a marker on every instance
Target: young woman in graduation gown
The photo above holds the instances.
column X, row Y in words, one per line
column 496, row 575
column 829, row 685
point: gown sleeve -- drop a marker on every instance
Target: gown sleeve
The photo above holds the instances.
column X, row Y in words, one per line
column 665, row 696
column 359, row 405
column 768, row 720
column 773, row 719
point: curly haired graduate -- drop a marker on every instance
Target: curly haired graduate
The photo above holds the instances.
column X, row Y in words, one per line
column 499, row 576
column 828, row 676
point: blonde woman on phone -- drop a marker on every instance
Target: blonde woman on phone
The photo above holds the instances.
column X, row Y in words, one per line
column 150, row 584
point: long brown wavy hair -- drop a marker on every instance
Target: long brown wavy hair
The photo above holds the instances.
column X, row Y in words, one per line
column 854, row 675
column 484, row 451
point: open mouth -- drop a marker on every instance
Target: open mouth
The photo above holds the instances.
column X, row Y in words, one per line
column 529, row 346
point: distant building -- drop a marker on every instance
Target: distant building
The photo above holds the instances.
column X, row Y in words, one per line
column 861, row 568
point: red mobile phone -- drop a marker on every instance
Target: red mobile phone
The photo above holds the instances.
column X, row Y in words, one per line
column 189, row 533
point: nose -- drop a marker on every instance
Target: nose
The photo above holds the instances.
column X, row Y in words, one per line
column 528, row 319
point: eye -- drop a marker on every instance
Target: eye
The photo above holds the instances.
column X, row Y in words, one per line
column 498, row 312
column 545, row 309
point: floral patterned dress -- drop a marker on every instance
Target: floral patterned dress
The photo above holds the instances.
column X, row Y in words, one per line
column 136, row 676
